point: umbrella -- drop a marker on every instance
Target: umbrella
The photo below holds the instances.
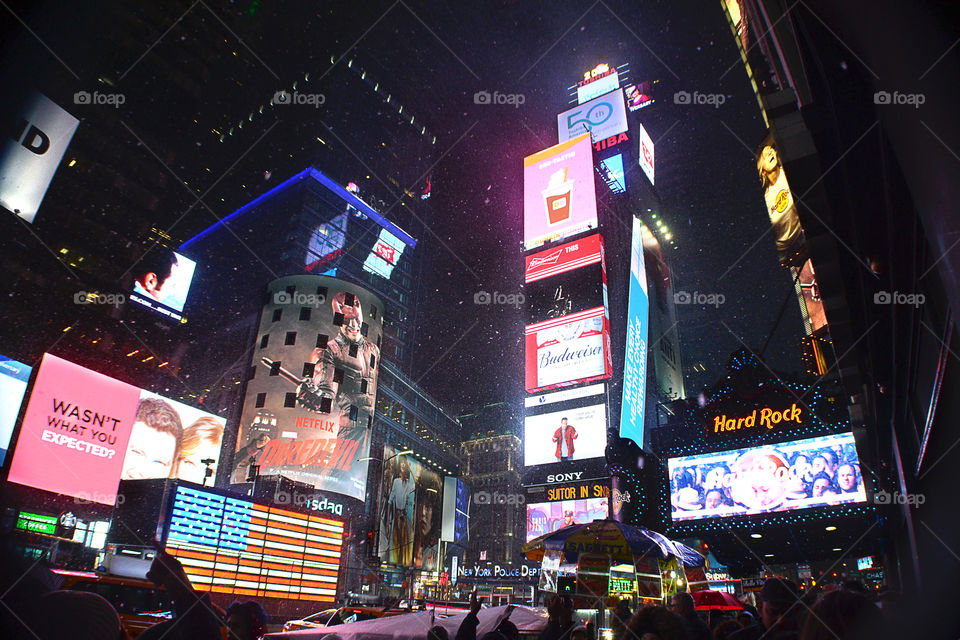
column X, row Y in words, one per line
column 721, row 600
column 608, row 537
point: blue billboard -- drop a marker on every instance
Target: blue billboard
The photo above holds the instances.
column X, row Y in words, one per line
column 13, row 385
column 635, row 358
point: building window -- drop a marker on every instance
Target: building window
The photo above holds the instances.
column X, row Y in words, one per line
column 305, row 313
column 337, row 319
column 277, row 314
column 264, row 340
column 322, row 340
column 322, row 293
column 275, row 368
column 308, row 368
column 373, row 312
column 290, row 399
column 253, row 373
column 291, row 290
column 291, row 339
column 261, row 400
column 353, row 350
column 338, row 375
column 326, row 405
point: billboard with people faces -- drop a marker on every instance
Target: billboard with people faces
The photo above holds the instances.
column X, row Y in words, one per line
column 801, row 474
column 547, row 517
column 84, row 431
column 411, row 511
column 162, row 280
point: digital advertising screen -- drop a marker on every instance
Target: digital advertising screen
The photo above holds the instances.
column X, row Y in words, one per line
column 547, row 517
column 646, row 154
column 612, row 170
column 566, row 279
column 235, row 546
column 781, row 208
column 567, row 350
column 308, row 408
column 411, row 512
column 637, row 96
column 587, row 91
column 603, row 117
column 635, row 355
column 384, row 254
column 162, row 280
column 31, row 154
column 326, row 244
column 83, row 430
column 561, row 436
column 816, row 472
column 456, row 510
column 14, row 377
column 559, row 192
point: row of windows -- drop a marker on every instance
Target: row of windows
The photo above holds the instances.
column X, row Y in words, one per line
column 310, row 367
column 290, row 339
column 326, row 405
column 322, row 294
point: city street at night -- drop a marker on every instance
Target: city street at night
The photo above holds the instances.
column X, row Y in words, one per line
column 516, row 319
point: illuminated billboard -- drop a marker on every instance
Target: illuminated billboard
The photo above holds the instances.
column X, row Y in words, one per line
column 635, row 355
column 588, row 90
column 32, row 151
column 808, row 293
column 411, row 510
column 638, row 96
column 309, row 407
column 602, row 117
column 162, row 280
column 384, row 254
column 546, row 517
column 559, row 193
column 781, row 208
column 646, row 154
column 456, row 511
column 612, row 171
column 568, row 350
column 566, row 279
column 561, row 436
column 326, row 243
column 14, row 377
column 236, row 546
column 801, row 474
column 83, row 430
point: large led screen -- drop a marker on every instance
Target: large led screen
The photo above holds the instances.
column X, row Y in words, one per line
column 547, row 517
column 456, row 511
column 598, row 86
column 781, row 208
column 411, row 510
column 635, row 355
column 14, row 377
column 83, row 430
column 566, row 279
column 162, row 280
column 646, row 154
column 235, row 546
column 603, row 117
column 326, row 243
column 568, row 350
column 384, row 255
column 817, row 472
column 559, row 193
column 561, row 436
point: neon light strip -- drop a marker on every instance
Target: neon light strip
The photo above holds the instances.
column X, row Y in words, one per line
column 935, row 394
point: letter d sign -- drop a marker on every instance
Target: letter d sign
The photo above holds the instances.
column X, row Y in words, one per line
column 33, row 140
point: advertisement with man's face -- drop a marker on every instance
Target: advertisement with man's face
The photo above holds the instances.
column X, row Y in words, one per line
column 559, row 193
column 574, row 434
column 817, row 472
column 411, row 512
column 162, row 280
column 14, row 377
column 309, row 407
column 547, row 517
column 83, row 431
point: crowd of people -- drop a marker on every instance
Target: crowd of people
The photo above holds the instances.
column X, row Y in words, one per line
column 767, row 480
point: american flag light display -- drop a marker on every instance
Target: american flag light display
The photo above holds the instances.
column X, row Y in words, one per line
column 230, row 545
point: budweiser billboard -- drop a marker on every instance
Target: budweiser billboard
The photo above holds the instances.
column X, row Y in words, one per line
column 568, row 350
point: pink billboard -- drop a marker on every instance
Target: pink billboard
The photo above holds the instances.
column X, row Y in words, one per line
column 559, row 196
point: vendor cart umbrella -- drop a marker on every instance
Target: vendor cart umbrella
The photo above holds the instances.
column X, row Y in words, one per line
column 621, row 541
column 708, row 599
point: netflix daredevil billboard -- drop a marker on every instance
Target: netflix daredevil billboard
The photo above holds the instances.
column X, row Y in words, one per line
column 309, row 406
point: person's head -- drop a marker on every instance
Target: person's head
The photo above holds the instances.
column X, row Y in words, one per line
column 155, row 270
column 155, row 441
column 779, row 602
column 682, row 603
column 563, row 422
column 568, row 516
column 713, row 500
column 821, row 484
column 726, row 628
column 579, row 633
column 656, row 622
column 768, row 164
column 831, row 460
column 404, row 468
column 76, row 614
column 246, row 620
column 843, row 614
column 438, row 633
column 847, row 478
column 819, row 464
column 348, row 307
column 201, row 441
column 428, row 507
column 714, row 479
column 508, row 630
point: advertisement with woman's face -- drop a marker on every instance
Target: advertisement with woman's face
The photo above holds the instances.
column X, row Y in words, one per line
column 766, row 479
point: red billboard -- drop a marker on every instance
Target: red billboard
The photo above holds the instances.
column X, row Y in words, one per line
column 568, row 350
column 566, row 257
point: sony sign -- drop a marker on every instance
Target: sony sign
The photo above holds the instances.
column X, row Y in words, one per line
column 564, row 477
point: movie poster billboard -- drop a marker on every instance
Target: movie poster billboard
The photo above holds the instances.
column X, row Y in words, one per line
column 816, row 472
column 603, row 117
column 547, row 517
column 83, row 431
column 14, row 377
column 559, row 193
column 411, row 511
column 635, row 355
column 456, row 510
column 309, row 406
